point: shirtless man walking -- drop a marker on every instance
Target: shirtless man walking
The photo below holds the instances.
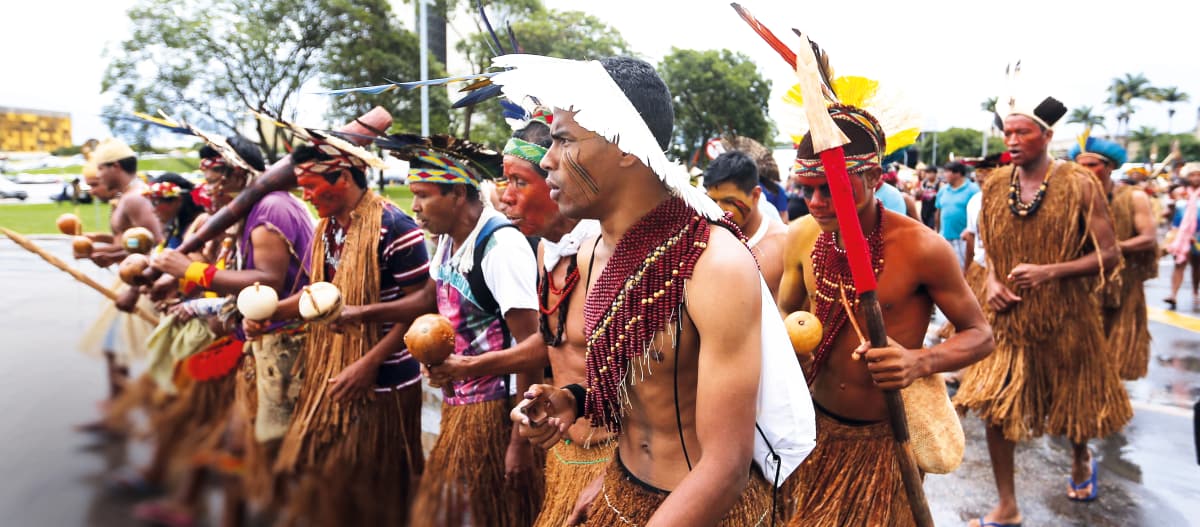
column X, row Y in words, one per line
column 853, row 476
column 686, row 426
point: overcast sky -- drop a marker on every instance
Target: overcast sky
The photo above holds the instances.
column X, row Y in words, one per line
column 947, row 57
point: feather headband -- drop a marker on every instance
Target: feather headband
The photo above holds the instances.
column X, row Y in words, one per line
column 584, row 87
column 1108, row 151
column 446, row 159
column 363, row 157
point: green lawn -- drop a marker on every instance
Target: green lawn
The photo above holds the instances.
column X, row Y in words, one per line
column 39, row 218
column 174, row 164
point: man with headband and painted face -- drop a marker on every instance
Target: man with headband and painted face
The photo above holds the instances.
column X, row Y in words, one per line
column 678, row 321
column 853, row 477
column 1049, row 239
column 732, row 181
column 1125, row 324
column 479, row 470
column 353, row 451
column 577, row 459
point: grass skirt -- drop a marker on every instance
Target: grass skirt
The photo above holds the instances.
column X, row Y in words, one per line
column 465, row 483
column 569, row 468
column 1128, row 332
column 626, row 500
column 364, row 477
column 851, row 479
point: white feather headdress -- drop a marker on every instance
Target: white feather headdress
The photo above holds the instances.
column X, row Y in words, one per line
column 586, row 88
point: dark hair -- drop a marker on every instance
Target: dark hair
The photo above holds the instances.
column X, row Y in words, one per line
column 956, row 167
column 188, row 209
column 472, row 191
column 306, row 153
column 648, row 93
column 128, row 164
column 732, row 166
column 538, row 133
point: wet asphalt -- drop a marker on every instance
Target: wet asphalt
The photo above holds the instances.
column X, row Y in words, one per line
column 51, row 475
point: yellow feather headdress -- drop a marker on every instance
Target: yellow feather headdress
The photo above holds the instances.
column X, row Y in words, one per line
column 901, row 125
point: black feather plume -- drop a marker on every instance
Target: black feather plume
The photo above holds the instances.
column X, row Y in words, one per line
column 488, row 24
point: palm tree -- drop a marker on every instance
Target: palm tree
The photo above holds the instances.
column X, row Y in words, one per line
column 1086, row 116
column 1170, row 96
column 989, row 106
column 1144, row 136
column 1123, row 92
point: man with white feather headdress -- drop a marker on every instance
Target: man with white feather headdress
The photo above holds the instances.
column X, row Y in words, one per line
column 681, row 329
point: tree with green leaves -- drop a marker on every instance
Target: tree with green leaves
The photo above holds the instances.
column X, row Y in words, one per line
column 716, row 93
column 368, row 46
column 209, row 62
column 1144, row 137
column 1123, row 93
column 989, row 105
column 1086, row 116
column 1170, row 96
column 540, row 31
column 962, row 142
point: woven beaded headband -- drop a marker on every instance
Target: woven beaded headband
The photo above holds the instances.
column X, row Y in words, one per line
column 338, row 160
column 855, row 164
column 439, row 169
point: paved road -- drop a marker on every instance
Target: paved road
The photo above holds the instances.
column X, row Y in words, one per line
column 53, row 476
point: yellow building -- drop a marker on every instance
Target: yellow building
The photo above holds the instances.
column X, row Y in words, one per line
column 25, row 130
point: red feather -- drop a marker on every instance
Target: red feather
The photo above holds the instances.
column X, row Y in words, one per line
column 216, row 361
column 767, row 35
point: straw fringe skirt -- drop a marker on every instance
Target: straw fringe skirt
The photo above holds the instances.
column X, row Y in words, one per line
column 365, row 476
column 851, row 479
column 627, row 501
column 465, row 484
column 569, row 468
column 274, row 382
column 1128, row 332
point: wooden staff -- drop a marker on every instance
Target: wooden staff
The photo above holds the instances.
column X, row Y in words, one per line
column 827, row 140
column 87, row 280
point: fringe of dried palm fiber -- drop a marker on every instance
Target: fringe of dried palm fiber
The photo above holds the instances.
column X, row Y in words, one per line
column 464, row 481
column 852, row 478
column 626, row 500
column 1048, row 373
column 193, row 423
column 1128, row 333
column 569, row 468
column 367, row 477
column 977, row 280
column 320, row 424
column 140, row 394
column 258, row 459
column 1142, row 265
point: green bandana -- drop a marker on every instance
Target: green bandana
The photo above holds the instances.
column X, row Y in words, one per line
column 525, row 150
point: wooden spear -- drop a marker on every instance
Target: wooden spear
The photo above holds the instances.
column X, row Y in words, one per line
column 87, row 280
column 828, row 141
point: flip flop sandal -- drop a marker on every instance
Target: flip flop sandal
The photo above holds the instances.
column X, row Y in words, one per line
column 1090, row 481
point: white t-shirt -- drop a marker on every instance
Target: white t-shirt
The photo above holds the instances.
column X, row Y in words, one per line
column 973, row 208
column 510, row 270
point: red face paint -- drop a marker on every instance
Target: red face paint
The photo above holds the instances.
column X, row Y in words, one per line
column 527, row 197
column 328, row 198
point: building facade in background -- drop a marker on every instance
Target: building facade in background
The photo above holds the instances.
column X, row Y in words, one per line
column 26, row 130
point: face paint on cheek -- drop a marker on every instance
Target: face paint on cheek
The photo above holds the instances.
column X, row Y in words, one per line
column 580, row 174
